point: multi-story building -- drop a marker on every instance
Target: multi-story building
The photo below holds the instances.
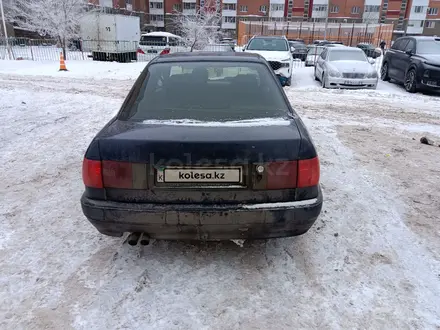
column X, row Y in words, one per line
column 408, row 16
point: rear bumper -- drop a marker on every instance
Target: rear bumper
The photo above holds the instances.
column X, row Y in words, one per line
column 203, row 222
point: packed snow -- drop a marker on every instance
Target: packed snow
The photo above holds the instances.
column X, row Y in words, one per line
column 371, row 259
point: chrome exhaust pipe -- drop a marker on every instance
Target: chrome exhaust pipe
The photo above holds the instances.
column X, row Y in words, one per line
column 133, row 238
column 144, row 239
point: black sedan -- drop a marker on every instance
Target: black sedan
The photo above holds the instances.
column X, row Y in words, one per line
column 298, row 50
column 415, row 62
column 370, row 50
column 194, row 155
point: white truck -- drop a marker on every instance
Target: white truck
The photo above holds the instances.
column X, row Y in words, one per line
column 110, row 37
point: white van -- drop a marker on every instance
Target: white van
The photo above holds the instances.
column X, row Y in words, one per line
column 156, row 42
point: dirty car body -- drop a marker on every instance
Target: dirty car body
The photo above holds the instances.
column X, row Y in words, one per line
column 197, row 155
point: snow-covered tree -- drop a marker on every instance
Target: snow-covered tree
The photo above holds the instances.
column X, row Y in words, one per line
column 200, row 29
column 53, row 18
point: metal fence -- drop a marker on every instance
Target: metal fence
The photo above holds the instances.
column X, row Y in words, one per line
column 123, row 51
column 101, row 50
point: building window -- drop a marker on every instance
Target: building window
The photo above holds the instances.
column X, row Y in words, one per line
column 355, row 10
column 189, row 5
column 155, row 5
column 418, row 9
column 372, row 9
column 334, row 9
column 228, row 19
column 429, row 25
column 177, row 7
column 230, row 6
column 319, row 8
column 276, row 7
column 155, row 18
column 244, row 9
column 432, row 11
column 263, row 9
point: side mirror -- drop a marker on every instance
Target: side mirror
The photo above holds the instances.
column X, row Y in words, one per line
column 244, row 48
column 409, row 52
column 292, row 49
column 372, row 61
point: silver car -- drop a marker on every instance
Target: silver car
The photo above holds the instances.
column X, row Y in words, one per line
column 345, row 67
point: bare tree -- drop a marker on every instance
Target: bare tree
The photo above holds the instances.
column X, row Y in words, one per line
column 55, row 18
column 200, row 29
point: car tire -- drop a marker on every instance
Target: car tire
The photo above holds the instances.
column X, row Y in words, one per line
column 410, row 82
column 316, row 77
column 323, row 82
column 384, row 72
column 289, row 81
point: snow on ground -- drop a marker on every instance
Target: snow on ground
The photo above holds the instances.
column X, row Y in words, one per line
column 371, row 260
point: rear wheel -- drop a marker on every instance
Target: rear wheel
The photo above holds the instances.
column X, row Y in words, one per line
column 316, row 77
column 384, row 72
column 289, row 81
column 410, row 81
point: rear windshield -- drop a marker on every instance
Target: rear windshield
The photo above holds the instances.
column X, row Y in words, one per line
column 315, row 51
column 207, row 91
column 343, row 55
column 153, row 41
column 297, row 45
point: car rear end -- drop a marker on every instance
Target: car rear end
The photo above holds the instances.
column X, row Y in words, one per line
column 299, row 50
column 225, row 164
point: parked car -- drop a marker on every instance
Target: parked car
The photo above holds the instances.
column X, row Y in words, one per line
column 370, row 50
column 298, row 50
column 313, row 54
column 277, row 52
column 321, row 42
column 345, row 67
column 333, row 45
column 195, row 156
column 217, row 48
column 156, row 42
column 297, row 40
column 415, row 62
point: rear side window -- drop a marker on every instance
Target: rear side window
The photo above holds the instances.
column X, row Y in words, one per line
column 153, row 41
column 207, row 91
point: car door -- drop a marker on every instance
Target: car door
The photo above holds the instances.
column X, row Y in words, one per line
column 396, row 58
column 319, row 67
column 405, row 59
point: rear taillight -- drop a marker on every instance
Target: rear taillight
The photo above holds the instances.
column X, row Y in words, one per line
column 92, row 173
column 165, row 51
column 290, row 174
column 107, row 174
column 281, row 175
column 117, row 174
column 308, row 172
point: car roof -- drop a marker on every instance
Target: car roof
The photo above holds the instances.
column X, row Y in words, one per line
column 209, row 56
column 345, row 49
column 269, row 37
column 160, row 34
